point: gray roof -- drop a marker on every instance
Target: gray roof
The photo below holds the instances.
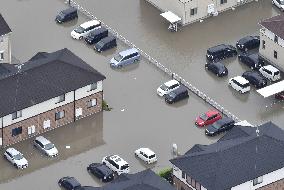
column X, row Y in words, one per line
column 275, row 24
column 241, row 155
column 4, row 27
column 145, row 180
column 42, row 79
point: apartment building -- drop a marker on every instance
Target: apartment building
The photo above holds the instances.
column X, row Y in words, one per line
column 48, row 91
column 193, row 10
column 5, row 46
column 245, row 158
column 272, row 40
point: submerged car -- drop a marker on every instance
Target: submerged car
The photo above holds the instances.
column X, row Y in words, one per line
column 255, row 78
column 84, row 29
column 220, row 126
column 101, row 171
column 253, row 61
column 125, row 57
column 208, row 118
column 248, row 43
column 219, row 52
column 16, row 158
column 116, row 164
column 167, row 87
column 146, row 154
column 217, row 68
column 45, row 146
column 69, row 183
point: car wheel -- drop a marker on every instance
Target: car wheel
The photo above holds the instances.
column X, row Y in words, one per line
column 217, row 75
column 16, row 166
column 5, row 156
column 59, row 183
column 136, row 154
column 251, row 67
column 104, row 163
column 81, row 37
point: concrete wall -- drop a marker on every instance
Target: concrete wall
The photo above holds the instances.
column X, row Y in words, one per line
column 270, row 47
column 5, row 47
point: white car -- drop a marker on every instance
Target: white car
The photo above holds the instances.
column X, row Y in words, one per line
column 84, row 29
column 146, row 154
column 45, row 146
column 167, row 87
column 16, row 158
column 116, row 164
column 270, row 72
column 279, row 4
column 240, row 84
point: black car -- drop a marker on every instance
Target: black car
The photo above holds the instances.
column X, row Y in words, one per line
column 101, row 171
column 220, row 126
column 105, row 44
column 96, row 35
column 255, row 78
column 248, row 43
column 217, row 68
column 176, row 95
column 253, row 61
column 221, row 52
column 66, row 15
column 69, row 183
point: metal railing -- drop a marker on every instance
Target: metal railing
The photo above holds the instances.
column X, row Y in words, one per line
column 153, row 61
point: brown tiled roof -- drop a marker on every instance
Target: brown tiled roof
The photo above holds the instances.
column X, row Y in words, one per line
column 275, row 25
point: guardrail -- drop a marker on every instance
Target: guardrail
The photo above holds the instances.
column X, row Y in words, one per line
column 153, row 61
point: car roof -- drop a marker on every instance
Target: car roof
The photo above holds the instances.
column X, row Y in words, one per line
column 271, row 68
column 99, row 30
column 128, row 51
column 246, row 39
column 108, row 39
column 241, row 79
column 211, row 112
column 147, row 151
column 254, row 56
column 43, row 140
column 89, row 23
column 217, row 47
column 180, row 89
column 255, row 74
column 13, row 151
column 103, row 168
column 171, row 82
column 225, row 120
column 117, row 159
column 69, row 10
column 218, row 64
column 73, row 181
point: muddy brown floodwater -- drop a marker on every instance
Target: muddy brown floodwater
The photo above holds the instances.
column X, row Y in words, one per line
column 139, row 117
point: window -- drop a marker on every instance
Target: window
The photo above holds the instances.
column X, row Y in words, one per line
column 276, row 39
column 17, row 131
column 46, row 124
column 59, row 115
column 183, row 175
column 92, row 103
column 223, row 1
column 1, row 55
column 193, row 11
column 16, row 114
column 275, row 54
column 263, row 44
column 61, row 98
column 93, row 86
column 31, row 130
column 258, row 180
column 1, row 39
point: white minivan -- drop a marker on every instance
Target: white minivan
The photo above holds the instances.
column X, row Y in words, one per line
column 84, row 29
column 167, row 87
column 279, row 4
column 146, row 154
column 270, row 72
column 16, row 158
column 240, row 84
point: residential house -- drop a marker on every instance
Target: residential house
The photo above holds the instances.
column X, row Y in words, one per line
column 245, row 158
column 193, row 10
column 5, row 46
column 272, row 40
column 48, row 91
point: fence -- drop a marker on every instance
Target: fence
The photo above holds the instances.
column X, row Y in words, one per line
column 153, row 61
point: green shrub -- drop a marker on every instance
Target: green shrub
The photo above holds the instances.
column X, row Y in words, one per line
column 106, row 106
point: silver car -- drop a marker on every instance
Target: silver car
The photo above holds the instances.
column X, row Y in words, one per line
column 125, row 58
column 45, row 146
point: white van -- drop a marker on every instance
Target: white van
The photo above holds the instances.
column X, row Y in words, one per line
column 116, row 164
column 240, row 84
column 84, row 29
column 146, row 154
column 270, row 72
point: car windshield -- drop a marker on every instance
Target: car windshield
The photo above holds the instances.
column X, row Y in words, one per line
column 204, row 117
column 79, row 30
column 276, row 73
column 282, row 2
column 49, row 146
column 172, row 94
column 164, row 87
column 18, row 157
column 216, row 125
column 118, row 57
column 100, row 44
column 61, row 15
column 124, row 166
column 152, row 156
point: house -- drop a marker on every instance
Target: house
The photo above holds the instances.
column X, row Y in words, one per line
column 194, row 10
column 245, row 158
column 5, row 46
column 48, row 91
column 272, row 40
column 144, row 180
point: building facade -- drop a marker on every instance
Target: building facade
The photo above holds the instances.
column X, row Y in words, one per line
column 5, row 45
column 194, row 10
column 39, row 104
column 272, row 40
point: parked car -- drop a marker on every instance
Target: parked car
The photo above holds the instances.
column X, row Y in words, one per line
column 208, row 118
column 146, row 154
column 279, row 96
column 116, row 164
column 177, row 95
column 248, row 43
column 270, row 72
column 69, row 183
column 221, row 52
column 45, row 146
column 279, row 4
column 101, row 171
column 66, row 15
column 255, row 78
column 125, row 57
column 167, row 87
column 96, row 35
column 253, row 61
column 217, row 68
column 105, row 44
column 240, row 84
column 220, row 126
column 16, row 158
column 84, row 29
